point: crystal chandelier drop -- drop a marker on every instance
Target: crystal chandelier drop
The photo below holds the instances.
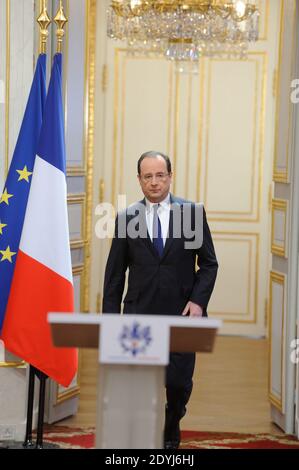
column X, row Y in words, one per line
column 184, row 30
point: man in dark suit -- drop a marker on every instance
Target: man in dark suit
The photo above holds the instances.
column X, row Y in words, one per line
column 163, row 278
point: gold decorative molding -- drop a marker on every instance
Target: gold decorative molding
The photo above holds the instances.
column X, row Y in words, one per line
column 76, row 198
column 81, row 168
column 282, row 175
column 170, row 91
column 253, row 214
column 104, row 78
column 80, row 271
column 200, row 124
column 77, row 244
column 99, row 302
column 277, row 401
column 115, row 124
column 89, row 125
column 274, row 83
column 79, row 199
column 176, row 125
column 75, row 171
column 270, row 192
column 187, row 166
column 266, row 313
column 227, row 236
column 62, row 396
column 118, row 115
column 122, row 129
column 13, row 364
column 279, row 205
column 66, row 60
column 279, row 176
column 264, row 37
column 7, row 86
column 101, row 190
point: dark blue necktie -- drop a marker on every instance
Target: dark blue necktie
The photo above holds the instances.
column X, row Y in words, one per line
column 157, row 232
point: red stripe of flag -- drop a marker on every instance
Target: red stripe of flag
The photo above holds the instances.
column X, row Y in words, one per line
column 26, row 316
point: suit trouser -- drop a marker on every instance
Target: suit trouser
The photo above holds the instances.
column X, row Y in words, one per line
column 179, row 383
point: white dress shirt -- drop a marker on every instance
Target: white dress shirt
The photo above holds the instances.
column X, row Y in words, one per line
column 163, row 213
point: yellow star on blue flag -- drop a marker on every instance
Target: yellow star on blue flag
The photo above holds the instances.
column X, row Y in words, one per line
column 2, row 227
column 24, row 174
column 5, row 197
column 7, row 254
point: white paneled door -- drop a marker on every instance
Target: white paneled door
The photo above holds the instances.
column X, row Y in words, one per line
column 217, row 126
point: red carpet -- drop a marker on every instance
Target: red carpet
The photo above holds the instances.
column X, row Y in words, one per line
column 83, row 438
column 227, row 440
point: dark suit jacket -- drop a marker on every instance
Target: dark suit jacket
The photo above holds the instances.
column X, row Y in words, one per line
column 158, row 285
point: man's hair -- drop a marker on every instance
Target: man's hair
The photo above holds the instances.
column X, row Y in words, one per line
column 154, row 154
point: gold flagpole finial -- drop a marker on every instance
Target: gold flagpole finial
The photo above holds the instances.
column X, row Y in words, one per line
column 60, row 20
column 44, row 22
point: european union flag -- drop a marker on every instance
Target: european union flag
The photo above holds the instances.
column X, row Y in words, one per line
column 13, row 201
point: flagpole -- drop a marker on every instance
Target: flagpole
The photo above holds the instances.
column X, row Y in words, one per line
column 41, row 407
column 44, row 21
column 60, row 21
column 28, row 437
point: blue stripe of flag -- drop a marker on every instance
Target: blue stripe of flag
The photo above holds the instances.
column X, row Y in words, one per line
column 52, row 142
column 12, row 213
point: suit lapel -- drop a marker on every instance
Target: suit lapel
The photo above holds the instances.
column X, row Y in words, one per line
column 170, row 239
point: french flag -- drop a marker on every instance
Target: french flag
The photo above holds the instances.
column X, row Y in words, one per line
column 42, row 280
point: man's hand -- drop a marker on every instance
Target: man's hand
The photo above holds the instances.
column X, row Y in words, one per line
column 194, row 310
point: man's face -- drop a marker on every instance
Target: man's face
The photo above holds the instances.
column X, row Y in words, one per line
column 154, row 179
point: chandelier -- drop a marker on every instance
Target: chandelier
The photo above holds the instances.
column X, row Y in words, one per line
column 184, row 30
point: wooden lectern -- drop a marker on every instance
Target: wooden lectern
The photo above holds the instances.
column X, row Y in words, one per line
column 133, row 353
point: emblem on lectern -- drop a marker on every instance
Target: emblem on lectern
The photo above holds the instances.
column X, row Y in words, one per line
column 135, row 339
